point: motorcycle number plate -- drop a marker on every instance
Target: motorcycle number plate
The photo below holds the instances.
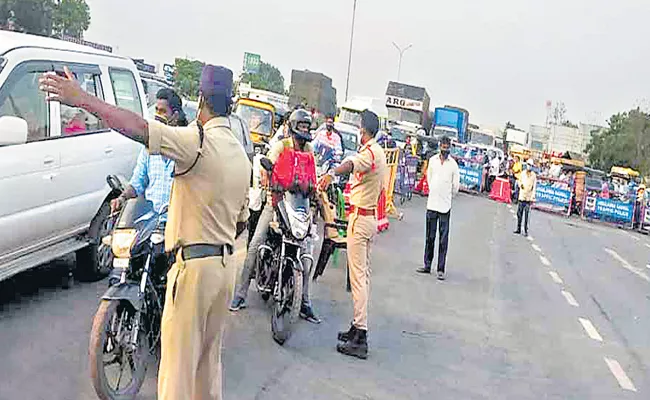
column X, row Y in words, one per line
column 121, row 263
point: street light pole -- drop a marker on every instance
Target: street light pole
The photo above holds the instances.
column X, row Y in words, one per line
column 347, row 82
column 401, row 53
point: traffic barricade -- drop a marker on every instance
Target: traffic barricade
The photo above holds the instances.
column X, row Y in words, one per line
column 501, row 190
column 553, row 195
column 613, row 211
column 392, row 157
column 407, row 169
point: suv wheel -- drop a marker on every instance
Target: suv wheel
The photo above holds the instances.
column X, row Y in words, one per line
column 94, row 262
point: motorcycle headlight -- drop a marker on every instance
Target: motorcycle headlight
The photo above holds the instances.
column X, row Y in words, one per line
column 122, row 242
column 299, row 223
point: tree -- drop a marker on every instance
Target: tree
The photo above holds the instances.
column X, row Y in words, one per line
column 71, row 18
column 188, row 74
column 45, row 17
column 267, row 78
column 626, row 142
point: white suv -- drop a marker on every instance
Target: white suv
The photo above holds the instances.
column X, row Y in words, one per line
column 54, row 159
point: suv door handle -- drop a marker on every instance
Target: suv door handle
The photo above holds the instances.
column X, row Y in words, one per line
column 48, row 160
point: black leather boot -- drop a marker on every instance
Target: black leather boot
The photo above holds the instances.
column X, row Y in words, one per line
column 344, row 336
column 357, row 346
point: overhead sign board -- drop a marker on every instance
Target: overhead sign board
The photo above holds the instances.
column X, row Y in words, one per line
column 252, row 63
column 394, row 101
column 170, row 72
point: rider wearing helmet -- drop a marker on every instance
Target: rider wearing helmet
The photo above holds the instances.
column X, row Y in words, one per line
column 299, row 124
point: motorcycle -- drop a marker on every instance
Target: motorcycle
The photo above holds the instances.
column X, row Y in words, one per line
column 279, row 268
column 126, row 327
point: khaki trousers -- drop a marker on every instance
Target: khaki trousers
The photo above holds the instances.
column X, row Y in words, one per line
column 196, row 304
column 361, row 231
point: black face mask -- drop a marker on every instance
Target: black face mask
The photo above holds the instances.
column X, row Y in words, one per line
column 329, row 127
column 445, row 153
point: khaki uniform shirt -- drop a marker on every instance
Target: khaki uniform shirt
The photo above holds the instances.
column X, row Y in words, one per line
column 208, row 201
column 528, row 183
column 368, row 176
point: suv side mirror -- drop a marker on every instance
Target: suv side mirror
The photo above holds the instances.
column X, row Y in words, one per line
column 13, row 130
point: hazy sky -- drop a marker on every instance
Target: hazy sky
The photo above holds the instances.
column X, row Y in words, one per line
column 500, row 59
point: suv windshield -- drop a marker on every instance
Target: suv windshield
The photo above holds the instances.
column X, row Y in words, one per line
column 257, row 119
column 400, row 114
column 398, row 134
column 350, row 117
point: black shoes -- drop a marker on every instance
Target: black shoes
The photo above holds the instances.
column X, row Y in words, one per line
column 356, row 344
column 344, row 336
column 423, row 270
column 441, row 276
column 517, row 232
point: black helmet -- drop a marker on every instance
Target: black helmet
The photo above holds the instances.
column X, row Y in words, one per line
column 297, row 117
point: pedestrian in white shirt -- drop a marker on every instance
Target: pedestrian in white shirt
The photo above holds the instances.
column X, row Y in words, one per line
column 495, row 166
column 444, row 181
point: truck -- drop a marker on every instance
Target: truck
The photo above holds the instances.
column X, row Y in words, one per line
column 516, row 136
column 408, row 107
column 450, row 121
column 312, row 90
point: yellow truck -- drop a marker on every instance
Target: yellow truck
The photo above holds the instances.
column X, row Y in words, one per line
column 259, row 116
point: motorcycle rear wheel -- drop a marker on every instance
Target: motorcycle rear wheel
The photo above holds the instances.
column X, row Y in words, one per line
column 103, row 342
column 285, row 312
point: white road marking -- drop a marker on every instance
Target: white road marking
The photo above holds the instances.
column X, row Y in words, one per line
column 634, row 237
column 647, row 245
column 569, row 298
column 512, row 211
column 590, row 329
column 647, row 265
column 530, row 238
column 509, row 206
column 627, row 265
column 620, row 375
column 544, row 260
column 537, row 248
column 556, row 277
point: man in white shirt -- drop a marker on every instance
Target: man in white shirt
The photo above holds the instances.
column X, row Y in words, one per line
column 444, row 181
column 495, row 166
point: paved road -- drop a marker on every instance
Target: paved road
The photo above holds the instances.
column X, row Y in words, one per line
column 563, row 316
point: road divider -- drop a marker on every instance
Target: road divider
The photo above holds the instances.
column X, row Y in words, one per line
column 623, row 380
column 638, row 272
column 544, row 260
column 590, row 329
column 537, row 248
column 530, row 238
column 570, row 299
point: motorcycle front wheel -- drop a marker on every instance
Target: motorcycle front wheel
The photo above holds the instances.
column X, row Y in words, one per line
column 285, row 311
column 117, row 368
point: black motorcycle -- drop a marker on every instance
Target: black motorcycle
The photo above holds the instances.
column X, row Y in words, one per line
column 279, row 268
column 125, row 334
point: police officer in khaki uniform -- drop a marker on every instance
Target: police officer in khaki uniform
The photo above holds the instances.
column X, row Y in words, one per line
column 208, row 209
column 368, row 169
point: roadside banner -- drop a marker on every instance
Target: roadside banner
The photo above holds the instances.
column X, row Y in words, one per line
column 470, row 178
column 553, row 195
column 608, row 210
